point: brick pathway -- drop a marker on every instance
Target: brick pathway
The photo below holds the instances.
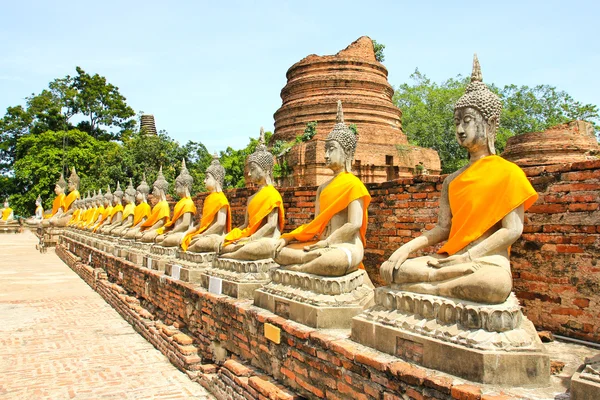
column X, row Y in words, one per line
column 60, row 340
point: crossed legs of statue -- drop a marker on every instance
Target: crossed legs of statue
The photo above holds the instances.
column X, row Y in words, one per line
column 485, row 280
column 170, row 240
column 205, row 244
column 336, row 260
column 261, row 249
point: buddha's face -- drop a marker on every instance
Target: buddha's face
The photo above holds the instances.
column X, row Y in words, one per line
column 180, row 189
column 156, row 191
column 139, row 196
column 6, row 204
column 335, row 158
column 72, row 186
column 58, row 189
column 256, row 173
column 470, row 128
column 210, row 182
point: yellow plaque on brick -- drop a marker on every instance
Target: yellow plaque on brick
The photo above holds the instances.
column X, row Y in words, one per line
column 272, row 333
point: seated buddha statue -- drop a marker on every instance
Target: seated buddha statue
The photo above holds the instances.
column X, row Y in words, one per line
column 37, row 218
column 116, row 215
column 106, row 212
column 8, row 215
column 141, row 212
column 215, row 222
column 64, row 215
column 87, row 205
column 77, row 211
column 161, row 213
column 480, row 216
column 333, row 243
column 264, row 217
column 58, row 202
column 172, row 232
column 128, row 211
column 97, row 213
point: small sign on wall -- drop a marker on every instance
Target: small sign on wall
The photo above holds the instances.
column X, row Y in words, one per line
column 176, row 271
column 149, row 263
column 120, row 275
column 215, row 285
column 90, row 258
column 272, row 333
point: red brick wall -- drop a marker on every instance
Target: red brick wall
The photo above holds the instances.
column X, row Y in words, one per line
column 555, row 263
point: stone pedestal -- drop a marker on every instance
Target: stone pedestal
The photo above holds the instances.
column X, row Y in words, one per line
column 239, row 278
column 188, row 266
column 10, row 228
column 585, row 383
column 137, row 251
column 49, row 236
column 493, row 344
column 159, row 256
column 316, row 301
column 122, row 247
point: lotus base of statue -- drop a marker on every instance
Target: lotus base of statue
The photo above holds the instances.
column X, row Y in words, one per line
column 316, row 301
column 137, row 253
column 10, row 227
column 159, row 257
column 236, row 278
column 493, row 344
column 189, row 266
column 49, row 235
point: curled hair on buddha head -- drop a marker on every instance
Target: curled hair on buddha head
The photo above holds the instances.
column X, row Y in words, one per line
column 118, row 192
column 74, row 178
column 184, row 178
column 262, row 157
column 61, row 182
column 160, row 182
column 38, row 201
column 130, row 191
column 342, row 134
column 216, row 170
column 143, row 186
column 99, row 197
column 480, row 97
column 108, row 196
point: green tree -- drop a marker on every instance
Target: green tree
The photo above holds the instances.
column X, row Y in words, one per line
column 378, row 49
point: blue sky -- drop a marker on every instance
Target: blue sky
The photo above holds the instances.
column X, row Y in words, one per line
column 213, row 72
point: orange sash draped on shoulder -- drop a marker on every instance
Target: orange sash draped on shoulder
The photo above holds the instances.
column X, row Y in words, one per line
column 481, row 196
column 128, row 210
column 141, row 211
column 160, row 211
column 40, row 210
column 106, row 214
column 98, row 212
column 6, row 213
column 185, row 205
column 75, row 217
column 261, row 205
column 74, row 195
column 56, row 204
column 212, row 204
column 116, row 209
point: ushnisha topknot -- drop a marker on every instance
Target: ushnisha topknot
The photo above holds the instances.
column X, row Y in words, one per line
column 479, row 96
column 118, row 192
column 130, row 191
column 160, row 182
column 99, row 196
column 61, row 182
column 216, row 170
column 108, row 196
column 74, row 178
column 143, row 186
column 38, row 200
column 342, row 134
column 184, row 178
column 261, row 156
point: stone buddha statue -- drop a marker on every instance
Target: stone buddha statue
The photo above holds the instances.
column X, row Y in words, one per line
column 106, row 212
column 37, row 218
column 8, row 216
column 87, row 210
column 128, row 211
column 264, row 217
column 333, row 243
column 183, row 213
column 141, row 212
column 97, row 211
column 116, row 215
column 216, row 214
column 77, row 208
column 64, row 216
column 480, row 216
column 161, row 213
column 58, row 203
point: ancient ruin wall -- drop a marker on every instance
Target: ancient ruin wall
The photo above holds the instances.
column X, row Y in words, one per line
column 555, row 264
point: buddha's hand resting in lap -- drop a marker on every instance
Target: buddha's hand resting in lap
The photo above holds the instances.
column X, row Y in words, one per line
column 392, row 264
column 321, row 244
column 280, row 245
column 451, row 260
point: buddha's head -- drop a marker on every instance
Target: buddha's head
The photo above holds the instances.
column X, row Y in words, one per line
column 477, row 114
column 6, row 205
column 130, row 192
column 73, row 180
column 99, row 198
column 108, row 197
column 142, row 190
column 184, row 181
column 260, row 163
column 215, row 176
column 340, row 144
column 38, row 201
column 118, row 194
column 160, row 185
column 60, row 186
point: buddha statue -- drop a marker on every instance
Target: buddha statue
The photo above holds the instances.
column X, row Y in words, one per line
column 106, row 212
column 77, row 211
column 97, row 211
column 161, row 212
column 58, row 203
column 141, row 212
column 64, row 215
column 116, row 215
column 264, row 217
column 172, row 232
column 480, row 216
column 87, row 203
column 128, row 211
column 8, row 216
column 37, row 218
column 216, row 214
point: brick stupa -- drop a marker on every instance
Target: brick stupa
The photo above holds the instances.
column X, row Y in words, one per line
column 147, row 124
column 314, row 84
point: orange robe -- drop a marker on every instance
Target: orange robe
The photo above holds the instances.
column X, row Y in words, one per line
column 74, row 195
column 481, row 196
column 75, row 217
column 98, row 211
column 160, row 211
column 212, row 204
column 6, row 213
column 141, row 211
column 128, row 210
column 116, row 209
column 183, row 206
column 106, row 214
column 336, row 197
column 59, row 201
column 261, row 205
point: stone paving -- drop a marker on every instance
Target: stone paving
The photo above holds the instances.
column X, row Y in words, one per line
column 60, row 340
